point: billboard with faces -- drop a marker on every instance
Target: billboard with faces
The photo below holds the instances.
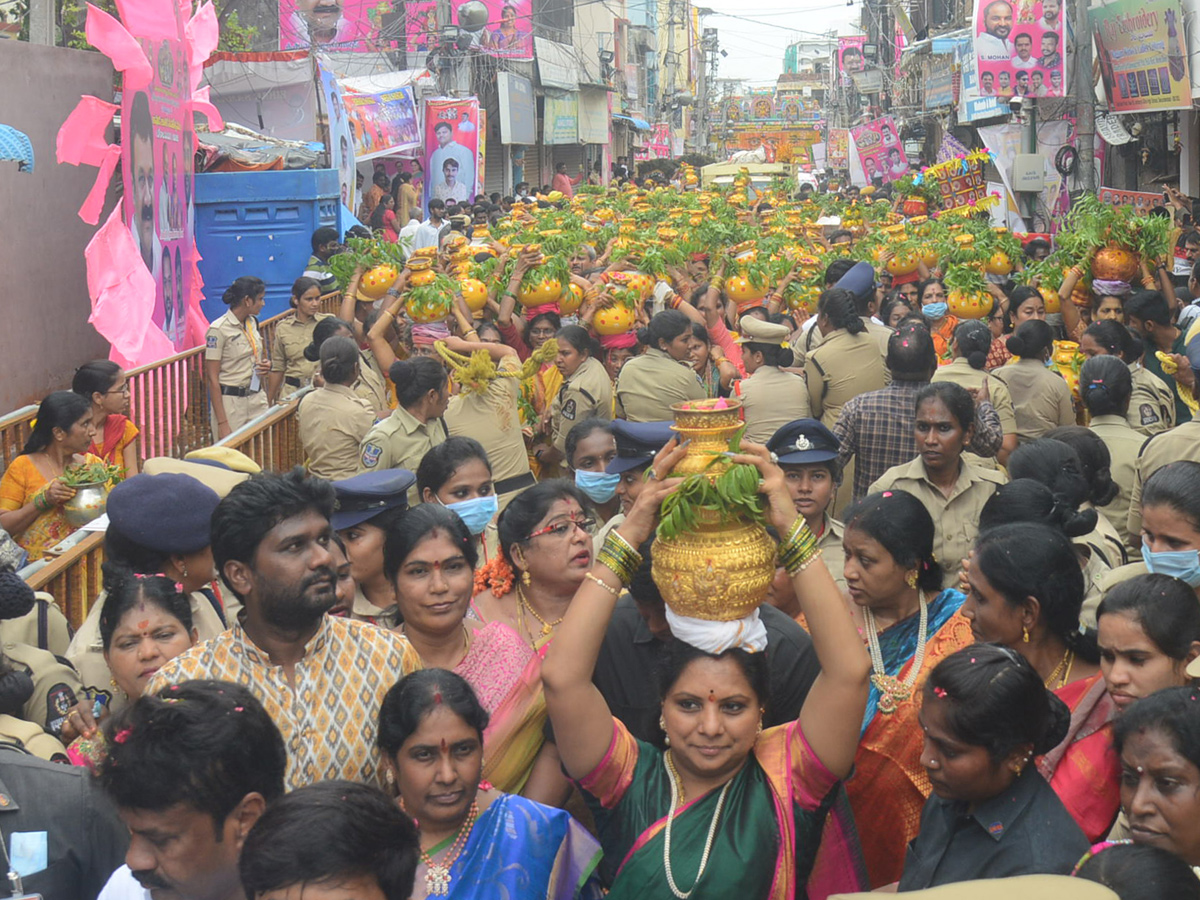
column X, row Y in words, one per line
column 158, row 170
column 451, row 150
column 1019, row 47
column 329, row 24
column 879, row 151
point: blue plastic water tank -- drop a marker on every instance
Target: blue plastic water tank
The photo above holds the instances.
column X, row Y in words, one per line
column 260, row 223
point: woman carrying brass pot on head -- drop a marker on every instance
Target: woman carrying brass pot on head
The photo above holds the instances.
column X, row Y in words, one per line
column 729, row 808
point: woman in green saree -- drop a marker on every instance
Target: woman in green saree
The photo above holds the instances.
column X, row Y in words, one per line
column 729, row 809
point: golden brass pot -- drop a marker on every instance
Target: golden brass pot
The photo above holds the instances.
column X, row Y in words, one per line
column 723, row 569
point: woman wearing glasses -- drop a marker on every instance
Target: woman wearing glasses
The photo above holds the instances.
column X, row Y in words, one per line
column 545, row 554
column 104, row 383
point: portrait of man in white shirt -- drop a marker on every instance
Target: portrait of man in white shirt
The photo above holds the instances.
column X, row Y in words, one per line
column 1024, row 58
column 992, row 43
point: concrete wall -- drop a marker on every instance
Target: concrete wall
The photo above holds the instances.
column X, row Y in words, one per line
column 45, row 306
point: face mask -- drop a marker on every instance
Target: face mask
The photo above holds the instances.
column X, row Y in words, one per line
column 1048, row 362
column 935, row 310
column 1181, row 564
column 475, row 513
column 599, row 487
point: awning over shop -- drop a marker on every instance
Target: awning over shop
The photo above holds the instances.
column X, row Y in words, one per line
column 558, row 65
column 639, row 124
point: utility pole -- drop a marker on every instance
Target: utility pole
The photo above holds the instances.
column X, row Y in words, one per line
column 41, row 22
column 1085, row 112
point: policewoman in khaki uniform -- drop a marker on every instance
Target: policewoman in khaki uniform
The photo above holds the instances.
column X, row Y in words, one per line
column 159, row 524
column 1106, row 385
column 969, row 348
column 953, row 489
column 808, row 453
column 586, row 392
column 846, row 363
column 1040, row 396
column 404, row 437
column 235, row 360
column 289, row 365
column 663, row 375
column 770, row 397
column 371, row 385
column 333, row 420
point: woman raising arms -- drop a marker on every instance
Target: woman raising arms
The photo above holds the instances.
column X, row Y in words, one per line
column 728, row 809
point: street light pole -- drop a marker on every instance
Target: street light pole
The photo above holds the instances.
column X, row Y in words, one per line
column 1085, row 113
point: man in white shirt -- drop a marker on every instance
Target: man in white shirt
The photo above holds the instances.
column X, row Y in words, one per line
column 992, row 43
column 1024, row 58
column 408, row 234
column 429, row 232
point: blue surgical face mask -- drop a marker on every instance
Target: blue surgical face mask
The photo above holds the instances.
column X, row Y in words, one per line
column 1049, row 362
column 599, row 487
column 935, row 310
column 475, row 513
column 1181, row 564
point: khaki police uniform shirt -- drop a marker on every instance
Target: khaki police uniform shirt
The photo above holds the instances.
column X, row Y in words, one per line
column 958, row 371
column 1181, row 442
column 955, row 518
column 1040, row 396
column 333, row 422
column 585, row 395
column 493, row 418
column 400, row 442
column 56, row 686
column 830, row 545
column 650, row 383
column 86, row 652
column 770, row 399
column 808, row 340
column 881, row 333
column 287, row 353
column 1123, row 444
column 27, row 629
column 1151, row 404
column 842, row 367
column 227, row 341
column 372, row 387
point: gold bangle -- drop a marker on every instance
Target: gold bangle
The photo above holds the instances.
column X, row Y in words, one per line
column 608, row 587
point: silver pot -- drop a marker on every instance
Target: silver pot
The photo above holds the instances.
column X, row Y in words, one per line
column 88, row 503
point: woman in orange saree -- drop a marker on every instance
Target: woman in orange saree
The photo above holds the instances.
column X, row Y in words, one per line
column 909, row 625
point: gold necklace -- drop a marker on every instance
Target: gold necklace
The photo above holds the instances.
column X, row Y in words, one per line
column 1061, row 672
column 437, row 875
column 523, row 604
column 466, row 638
column 893, row 691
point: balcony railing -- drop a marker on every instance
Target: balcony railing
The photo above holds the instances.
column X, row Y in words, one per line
column 168, row 401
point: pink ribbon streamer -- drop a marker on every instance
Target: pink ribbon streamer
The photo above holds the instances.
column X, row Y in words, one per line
column 112, row 39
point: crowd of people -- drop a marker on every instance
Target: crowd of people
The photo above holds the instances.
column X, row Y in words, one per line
column 440, row 659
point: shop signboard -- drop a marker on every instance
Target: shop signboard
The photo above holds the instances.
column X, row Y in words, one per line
column 1142, row 57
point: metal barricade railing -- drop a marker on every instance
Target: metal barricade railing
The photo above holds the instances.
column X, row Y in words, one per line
column 273, row 439
column 168, row 401
column 73, row 579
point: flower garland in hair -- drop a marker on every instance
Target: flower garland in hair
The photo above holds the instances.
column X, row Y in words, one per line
column 495, row 575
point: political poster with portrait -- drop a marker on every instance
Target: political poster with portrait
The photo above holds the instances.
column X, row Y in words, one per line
column 1019, row 48
column 850, row 55
column 451, row 140
column 1142, row 56
column 342, row 25
column 507, row 32
column 382, row 122
column 157, row 130
column 880, row 152
column 341, row 138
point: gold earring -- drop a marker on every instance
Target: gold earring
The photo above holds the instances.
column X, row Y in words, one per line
column 1024, row 635
column 662, row 724
column 911, row 579
column 525, row 578
column 389, row 777
column 183, row 566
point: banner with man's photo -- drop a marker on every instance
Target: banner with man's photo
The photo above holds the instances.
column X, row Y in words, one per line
column 451, row 141
column 879, row 151
column 157, row 168
column 344, row 25
column 1019, row 47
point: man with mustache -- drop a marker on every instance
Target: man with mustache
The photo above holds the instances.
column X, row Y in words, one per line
column 992, row 43
column 190, row 770
column 320, row 678
column 141, row 170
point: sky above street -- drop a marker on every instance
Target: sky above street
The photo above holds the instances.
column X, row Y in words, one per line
column 756, row 32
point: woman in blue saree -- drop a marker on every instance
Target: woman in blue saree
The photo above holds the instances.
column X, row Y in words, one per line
column 476, row 841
